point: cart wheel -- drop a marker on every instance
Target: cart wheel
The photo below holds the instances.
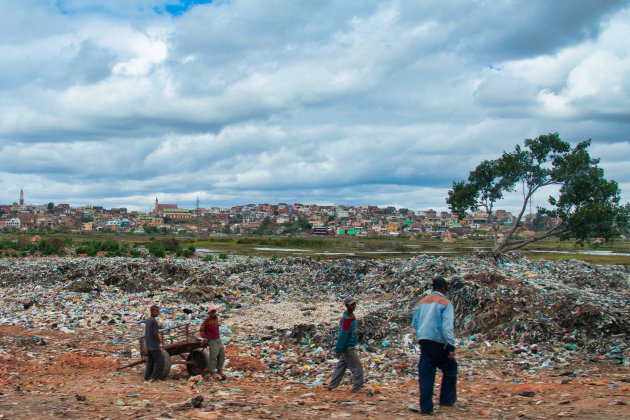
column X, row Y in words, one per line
column 200, row 361
column 166, row 364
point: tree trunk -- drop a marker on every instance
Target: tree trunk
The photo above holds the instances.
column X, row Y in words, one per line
column 511, row 246
column 503, row 244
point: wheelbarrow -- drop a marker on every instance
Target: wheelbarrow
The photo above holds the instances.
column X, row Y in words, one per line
column 177, row 341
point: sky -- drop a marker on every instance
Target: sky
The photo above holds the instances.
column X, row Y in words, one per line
column 117, row 102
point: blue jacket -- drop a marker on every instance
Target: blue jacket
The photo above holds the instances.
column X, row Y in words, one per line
column 433, row 320
column 347, row 333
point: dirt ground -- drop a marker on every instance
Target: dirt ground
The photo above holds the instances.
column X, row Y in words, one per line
column 57, row 375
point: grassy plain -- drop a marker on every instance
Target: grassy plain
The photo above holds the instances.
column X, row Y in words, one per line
column 352, row 247
column 336, row 247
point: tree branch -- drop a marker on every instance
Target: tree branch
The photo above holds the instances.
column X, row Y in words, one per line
column 511, row 246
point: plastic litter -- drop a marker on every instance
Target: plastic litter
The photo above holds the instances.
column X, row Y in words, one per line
column 284, row 314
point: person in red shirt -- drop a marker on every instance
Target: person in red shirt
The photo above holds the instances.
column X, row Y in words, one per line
column 210, row 331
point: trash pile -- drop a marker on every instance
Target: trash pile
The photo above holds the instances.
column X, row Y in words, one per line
column 285, row 312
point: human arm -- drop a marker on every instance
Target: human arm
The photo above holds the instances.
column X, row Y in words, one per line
column 153, row 329
column 202, row 328
column 448, row 332
column 344, row 335
column 415, row 320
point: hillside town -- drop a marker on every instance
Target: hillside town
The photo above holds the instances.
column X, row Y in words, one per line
column 261, row 219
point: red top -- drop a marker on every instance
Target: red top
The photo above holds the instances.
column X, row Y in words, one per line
column 210, row 328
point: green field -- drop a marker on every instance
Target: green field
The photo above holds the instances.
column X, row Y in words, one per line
column 342, row 247
column 335, row 247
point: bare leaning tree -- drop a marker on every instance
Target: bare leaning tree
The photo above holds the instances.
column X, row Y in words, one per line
column 586, row 206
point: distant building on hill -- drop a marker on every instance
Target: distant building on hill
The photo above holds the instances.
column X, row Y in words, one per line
column 159, row 208
column 171, row 211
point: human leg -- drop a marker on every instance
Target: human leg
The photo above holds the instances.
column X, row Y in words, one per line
column 448, row 390
column 340, row 369
column 426, row 376
column 148, row 366
column 156, row 371
column 213, row 349
column 157, row 366
column 354, row 364
column 221, row 360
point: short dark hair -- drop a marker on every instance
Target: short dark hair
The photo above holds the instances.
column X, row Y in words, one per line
column 153, row 307
column 439, row 283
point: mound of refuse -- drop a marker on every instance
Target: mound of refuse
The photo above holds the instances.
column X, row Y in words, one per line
column 510, row 298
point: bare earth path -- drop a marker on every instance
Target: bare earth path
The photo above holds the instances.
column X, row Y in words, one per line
column 58, row 375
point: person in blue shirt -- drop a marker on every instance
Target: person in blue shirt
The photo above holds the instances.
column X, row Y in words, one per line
column 345, row 349
column 433, row 320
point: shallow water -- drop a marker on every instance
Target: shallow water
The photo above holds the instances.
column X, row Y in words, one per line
column 586, row 252
column 459, row 251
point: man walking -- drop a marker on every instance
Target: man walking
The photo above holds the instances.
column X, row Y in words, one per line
column 152, row 342
column 433, row 320
column 345, row 348
column 210, row 331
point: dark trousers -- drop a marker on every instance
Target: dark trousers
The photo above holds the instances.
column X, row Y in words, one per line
column 154, row 365
column 434, row 355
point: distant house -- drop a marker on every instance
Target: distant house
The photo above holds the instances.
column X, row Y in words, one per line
column 14, row 223
column 449, row 237
column 283, row 208
column 392, row 227
column 177, row 213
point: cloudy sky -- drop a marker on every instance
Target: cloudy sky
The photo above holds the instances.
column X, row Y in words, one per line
column 115, row 102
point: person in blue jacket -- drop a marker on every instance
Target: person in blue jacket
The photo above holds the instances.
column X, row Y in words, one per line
column 345, row 349
column 433, row 320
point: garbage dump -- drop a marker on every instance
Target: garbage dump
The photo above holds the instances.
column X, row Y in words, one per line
column 283, row 314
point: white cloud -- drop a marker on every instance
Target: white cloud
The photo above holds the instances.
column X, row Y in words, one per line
column 243, row 101
column 588, row 80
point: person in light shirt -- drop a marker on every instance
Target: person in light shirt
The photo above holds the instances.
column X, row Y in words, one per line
column 433, row 320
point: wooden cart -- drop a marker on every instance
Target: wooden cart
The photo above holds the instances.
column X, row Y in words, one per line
column 177, row 341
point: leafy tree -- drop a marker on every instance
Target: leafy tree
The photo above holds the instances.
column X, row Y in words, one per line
column 135, row 253
column 186, row 252
column 169, row 244
column 264, row 228
column 290, row 228
column 150, row 229
column 540, row 222
column 156, row 250
column 304, row 224
column 301, row 225
column 48, row 246
column 586, row 205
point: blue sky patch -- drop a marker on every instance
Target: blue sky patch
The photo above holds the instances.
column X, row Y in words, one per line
column 178, row 8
